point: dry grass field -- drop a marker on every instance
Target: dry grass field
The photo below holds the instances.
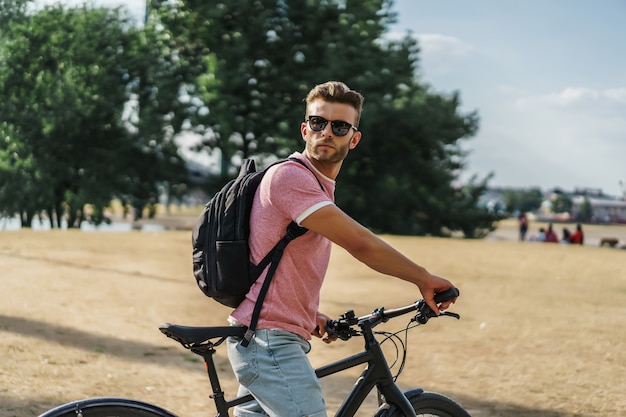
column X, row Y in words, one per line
column 542, row 329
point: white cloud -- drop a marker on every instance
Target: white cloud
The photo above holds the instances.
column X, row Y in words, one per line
column 569, row 138
column 576, row 96
column 438, row 44
column 441, row 53
column 512, row 90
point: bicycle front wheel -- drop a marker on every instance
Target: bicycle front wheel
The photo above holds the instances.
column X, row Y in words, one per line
column 107, row 407
column 427, row 404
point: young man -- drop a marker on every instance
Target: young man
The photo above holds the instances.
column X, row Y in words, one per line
column 274, row 366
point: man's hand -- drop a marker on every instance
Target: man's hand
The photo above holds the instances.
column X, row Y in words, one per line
column 433, row 286
column 320, row 330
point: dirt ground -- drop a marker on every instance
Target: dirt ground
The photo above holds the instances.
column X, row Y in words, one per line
column 542, row 329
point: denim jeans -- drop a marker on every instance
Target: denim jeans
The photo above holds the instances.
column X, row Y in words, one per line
column 275, row 370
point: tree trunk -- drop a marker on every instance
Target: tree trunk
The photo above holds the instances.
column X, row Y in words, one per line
column 26, row 219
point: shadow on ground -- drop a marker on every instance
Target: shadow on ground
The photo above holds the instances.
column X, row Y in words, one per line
column 84, row 266
column 180, row 358
column 66, row 336
column 12, row 407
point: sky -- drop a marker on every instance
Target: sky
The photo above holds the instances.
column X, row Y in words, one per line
column 547, row 78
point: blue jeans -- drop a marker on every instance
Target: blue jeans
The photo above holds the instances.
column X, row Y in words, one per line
column 275, row 370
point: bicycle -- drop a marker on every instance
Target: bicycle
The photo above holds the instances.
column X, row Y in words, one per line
column 392, row 402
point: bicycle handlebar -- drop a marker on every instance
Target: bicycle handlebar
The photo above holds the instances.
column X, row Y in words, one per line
column 447, row 295
column 342, row 327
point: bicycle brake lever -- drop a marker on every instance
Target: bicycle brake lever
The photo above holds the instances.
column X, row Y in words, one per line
column 425, row 313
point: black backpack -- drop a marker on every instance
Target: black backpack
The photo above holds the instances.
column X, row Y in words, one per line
column 221, row 256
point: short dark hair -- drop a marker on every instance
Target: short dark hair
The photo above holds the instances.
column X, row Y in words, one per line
column 337, row 92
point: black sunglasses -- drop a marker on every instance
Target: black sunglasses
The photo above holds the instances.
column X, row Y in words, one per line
column 340, row 128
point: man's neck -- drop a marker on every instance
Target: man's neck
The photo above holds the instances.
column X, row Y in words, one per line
column 329, row 169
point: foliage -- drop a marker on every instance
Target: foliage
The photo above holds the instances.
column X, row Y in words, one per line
column 585, row 211
column 522, row 200
column 562, row 203
column 93, row 103
column 262, row 57
column 84, row 114
column 11, row 11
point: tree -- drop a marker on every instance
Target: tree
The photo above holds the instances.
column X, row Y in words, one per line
column 263, row 56
column 11, row 11
column 523, row 200
column 585, row 211
column 562, row 203
column 68, row 83
column 17, row 167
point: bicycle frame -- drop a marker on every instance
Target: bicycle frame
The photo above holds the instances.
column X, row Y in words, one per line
column 376, row 374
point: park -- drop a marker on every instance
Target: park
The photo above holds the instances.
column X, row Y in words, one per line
column 539, row 335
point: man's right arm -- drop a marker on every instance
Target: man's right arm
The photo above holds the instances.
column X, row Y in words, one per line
column 332, row 223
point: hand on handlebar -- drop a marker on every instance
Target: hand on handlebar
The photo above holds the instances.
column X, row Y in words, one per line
column 343, row 327
column 436, row 285
column 321, row 321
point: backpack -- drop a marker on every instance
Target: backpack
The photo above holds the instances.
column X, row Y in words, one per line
column 221, row 255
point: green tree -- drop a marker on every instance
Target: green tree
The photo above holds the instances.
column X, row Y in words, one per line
column 17, row 167
column 562, row 203
column 585, row 211
column 11, row 11
column 69, row 81
column 523, row 200
column 263, row 56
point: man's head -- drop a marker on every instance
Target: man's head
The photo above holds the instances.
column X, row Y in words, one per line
column 336, row 92
column 330, row 126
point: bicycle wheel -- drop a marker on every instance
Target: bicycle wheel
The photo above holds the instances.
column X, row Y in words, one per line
column 107, row 407
column 427, row 404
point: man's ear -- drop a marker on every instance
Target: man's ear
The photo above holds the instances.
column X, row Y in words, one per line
column 303, row 128
column 356, row 138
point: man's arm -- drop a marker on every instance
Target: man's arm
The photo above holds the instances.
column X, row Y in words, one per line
column 332, row 223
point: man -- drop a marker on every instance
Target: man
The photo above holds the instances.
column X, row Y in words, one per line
column 274, row 367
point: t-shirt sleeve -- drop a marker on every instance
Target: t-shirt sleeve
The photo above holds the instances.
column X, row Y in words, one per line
column 311, row 210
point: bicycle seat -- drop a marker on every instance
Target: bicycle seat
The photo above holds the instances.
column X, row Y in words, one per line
column 193, row 336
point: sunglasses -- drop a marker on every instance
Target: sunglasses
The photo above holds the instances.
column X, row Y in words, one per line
column 340, row 128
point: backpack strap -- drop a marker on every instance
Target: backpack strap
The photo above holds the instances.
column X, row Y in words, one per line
column 272, row 258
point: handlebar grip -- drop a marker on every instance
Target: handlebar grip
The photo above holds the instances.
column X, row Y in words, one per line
column 446, row 295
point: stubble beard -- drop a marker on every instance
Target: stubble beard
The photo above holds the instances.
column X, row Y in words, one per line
column 338, row 154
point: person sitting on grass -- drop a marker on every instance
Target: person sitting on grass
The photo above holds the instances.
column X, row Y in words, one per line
column 577, row 237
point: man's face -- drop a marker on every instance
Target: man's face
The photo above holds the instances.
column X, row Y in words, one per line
column 326, row 146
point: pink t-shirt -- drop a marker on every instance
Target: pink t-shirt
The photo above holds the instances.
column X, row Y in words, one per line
column 288, row 192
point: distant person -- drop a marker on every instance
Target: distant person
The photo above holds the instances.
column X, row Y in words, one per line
column 551, row 237
column 566, row 235
column 577, row 237
column 523, row 226
column 542, row 235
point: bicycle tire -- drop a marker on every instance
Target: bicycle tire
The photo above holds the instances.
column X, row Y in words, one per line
column 427, row 404
column 107, row 407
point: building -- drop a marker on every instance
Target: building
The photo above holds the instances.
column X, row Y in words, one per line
column 603, row 210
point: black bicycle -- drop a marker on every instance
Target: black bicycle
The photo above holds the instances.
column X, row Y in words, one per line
column 392, row 402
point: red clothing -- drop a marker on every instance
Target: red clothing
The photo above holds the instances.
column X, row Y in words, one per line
column 551, row 237
column 576, row 237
